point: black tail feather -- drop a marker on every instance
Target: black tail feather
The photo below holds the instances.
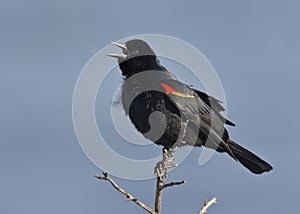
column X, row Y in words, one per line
column 248, row 159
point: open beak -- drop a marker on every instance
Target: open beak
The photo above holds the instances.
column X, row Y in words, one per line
column 120, row 45
column 118, row 56
column 121, row 56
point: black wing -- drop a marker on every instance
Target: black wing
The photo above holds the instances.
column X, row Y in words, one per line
column 214, row 104
column 201, row 110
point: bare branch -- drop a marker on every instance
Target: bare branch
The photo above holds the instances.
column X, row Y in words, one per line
column 158, row 195
column 173, row 183
column 129, row 197
column 207, row 205
column 161, row 173
column 159, row 189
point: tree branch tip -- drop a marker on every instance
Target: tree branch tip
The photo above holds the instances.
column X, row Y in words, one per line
column 105, row 174
column 207, row 204
column 97, row 176
column 214, row 200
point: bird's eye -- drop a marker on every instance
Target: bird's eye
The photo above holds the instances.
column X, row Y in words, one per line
column 135, row 52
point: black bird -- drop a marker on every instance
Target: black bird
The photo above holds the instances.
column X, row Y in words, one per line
column 188, row 116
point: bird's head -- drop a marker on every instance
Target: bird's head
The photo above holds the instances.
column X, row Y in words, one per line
column 136, row 57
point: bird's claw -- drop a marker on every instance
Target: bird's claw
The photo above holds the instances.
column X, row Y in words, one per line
column 160, row 171
column 162, row 167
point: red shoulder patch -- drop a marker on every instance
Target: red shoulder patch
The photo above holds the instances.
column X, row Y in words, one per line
column 168, row 89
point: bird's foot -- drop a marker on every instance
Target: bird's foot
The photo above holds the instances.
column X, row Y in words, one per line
column 160, row 171
column 162, row 167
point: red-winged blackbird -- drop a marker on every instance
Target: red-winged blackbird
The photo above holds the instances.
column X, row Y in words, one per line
column 187, row 116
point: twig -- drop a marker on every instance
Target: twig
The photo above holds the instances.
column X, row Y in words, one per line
column 159, row 188
column 173, row 183
column 158, row 195
column 129, row 197
column 161, row 175
column 207, row 205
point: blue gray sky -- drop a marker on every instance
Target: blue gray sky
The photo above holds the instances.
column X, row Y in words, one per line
column 254, row 47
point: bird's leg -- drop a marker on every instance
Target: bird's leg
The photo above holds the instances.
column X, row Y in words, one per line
column 160, row 171
column 183, row 133
column 169, row 157
column 167, row 162
column 162, row 167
